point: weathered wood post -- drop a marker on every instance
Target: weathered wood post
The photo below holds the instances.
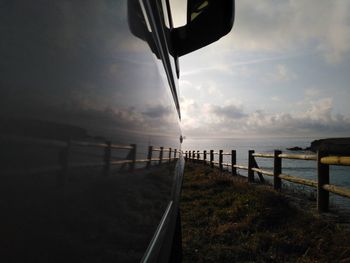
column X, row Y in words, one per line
column 175, row 153
column 220, row 160
column 250, row 166
column 149, row 156
column 170, row 155
column 107, row 158
column 212, row 158
column 322, row 179
column 161, row 155
column 204, row 157
column 194, row 156
column 133, row 157
column 186, row 156
column 277, row 170
column 261, row 177
column 198, row 157
column 233, row 163
column 189, row 156
column 64, row 162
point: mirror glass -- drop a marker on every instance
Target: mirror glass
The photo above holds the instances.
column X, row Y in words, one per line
column 207, row 22
column 196, row 7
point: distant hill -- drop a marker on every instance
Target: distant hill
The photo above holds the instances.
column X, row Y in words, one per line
column 332, row 145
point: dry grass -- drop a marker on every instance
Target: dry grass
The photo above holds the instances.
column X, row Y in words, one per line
column 231, row 221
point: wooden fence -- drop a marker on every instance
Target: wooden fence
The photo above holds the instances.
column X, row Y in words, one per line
column 322, row 184
column 157, row 155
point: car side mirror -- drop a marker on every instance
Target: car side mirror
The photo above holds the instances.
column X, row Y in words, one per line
column 207, row 22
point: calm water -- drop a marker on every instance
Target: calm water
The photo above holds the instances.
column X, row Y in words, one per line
column 339, row 175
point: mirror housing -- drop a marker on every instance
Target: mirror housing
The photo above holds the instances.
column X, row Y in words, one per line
column 207, row 22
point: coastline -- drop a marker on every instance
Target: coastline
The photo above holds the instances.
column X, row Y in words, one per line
column 340, row 146
column 337, row 146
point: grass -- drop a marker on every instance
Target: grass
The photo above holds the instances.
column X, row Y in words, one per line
column 225, row 220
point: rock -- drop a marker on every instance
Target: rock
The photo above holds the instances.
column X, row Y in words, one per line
column 296, row 148
column 338, row 146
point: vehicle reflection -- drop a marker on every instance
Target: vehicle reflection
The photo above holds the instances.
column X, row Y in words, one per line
column 77, row 73
column 81, row 65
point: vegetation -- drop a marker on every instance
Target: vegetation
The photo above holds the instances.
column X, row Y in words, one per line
column 227, row 220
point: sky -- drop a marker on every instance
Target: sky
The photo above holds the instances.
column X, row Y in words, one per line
column 283, row 70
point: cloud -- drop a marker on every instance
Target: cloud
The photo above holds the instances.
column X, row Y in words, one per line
column 226, row 68
column 273, row 44
column 238, row 67
column 277, row 26
column 320, row 110
column 276, row 99
column 228, row 112
column 282, row 73
column 231, row 120
column 312, row 92
column 157, row 111
column 214, row 91
column 185, row 83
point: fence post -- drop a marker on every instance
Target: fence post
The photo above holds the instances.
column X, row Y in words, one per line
column 175, row 153
column 170, row 155
column 277, row 170
column 194, row 156
column 186, row 156
column 212, row 158
column 133, row 157
column 198, row 156
column 64, row 162
column 322, row 179
column 233, row 163
column 161, row 155
column 189, row 156
column 250, row 166
column 204, row 157
column 107, row 158
column 220, row 160
column 149, row 156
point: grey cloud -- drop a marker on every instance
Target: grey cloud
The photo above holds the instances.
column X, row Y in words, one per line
column 279, row 25
column 228, row 111
column 288, row 124
column 230, row 120
column 157, row 111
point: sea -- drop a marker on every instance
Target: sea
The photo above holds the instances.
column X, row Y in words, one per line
column 339, row 175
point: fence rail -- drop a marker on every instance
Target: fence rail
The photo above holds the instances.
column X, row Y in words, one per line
column 336, row 160
column 323, row 161
column 65, row 150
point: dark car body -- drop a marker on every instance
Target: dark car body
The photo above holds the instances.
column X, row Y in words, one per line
column 90, row 140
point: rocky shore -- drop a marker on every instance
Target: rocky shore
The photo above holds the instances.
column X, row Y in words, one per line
column 339, row 146
column 332, row 145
